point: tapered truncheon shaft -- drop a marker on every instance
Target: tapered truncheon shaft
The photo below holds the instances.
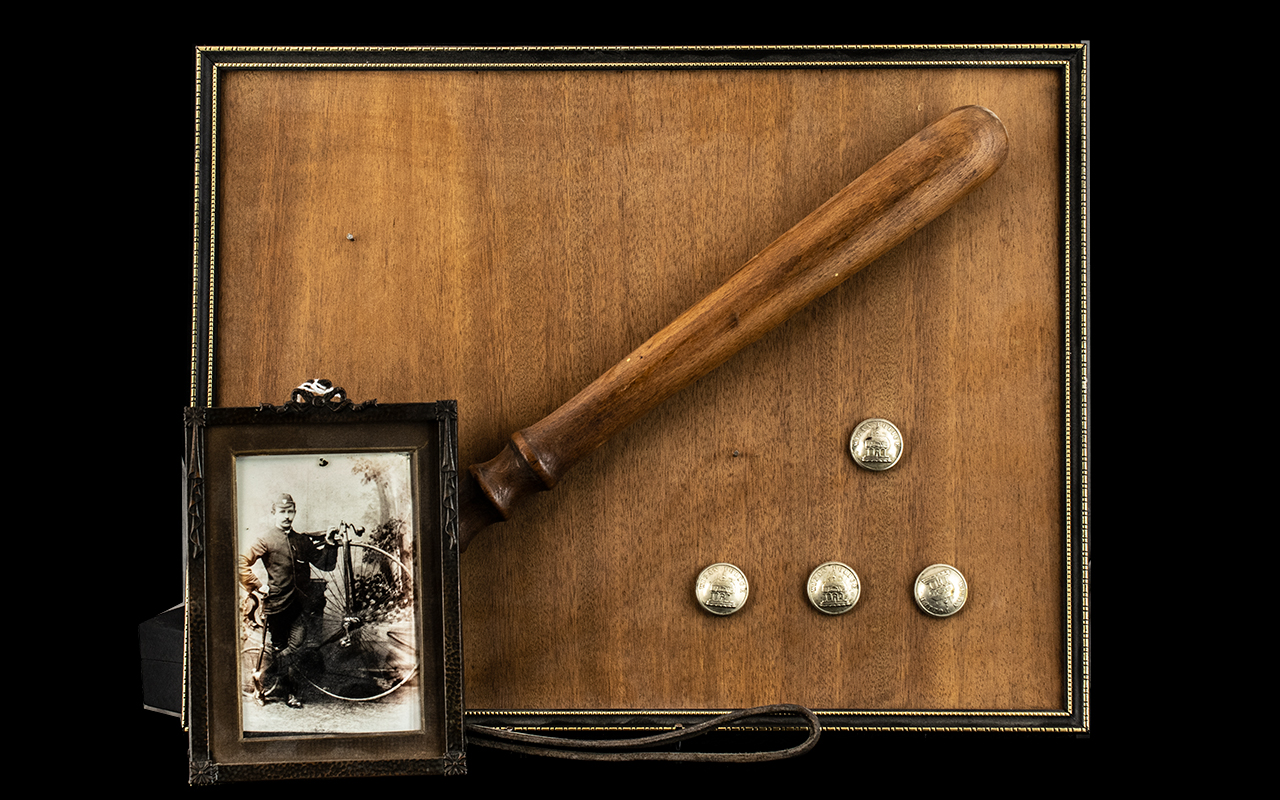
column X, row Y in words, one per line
column 886, row 204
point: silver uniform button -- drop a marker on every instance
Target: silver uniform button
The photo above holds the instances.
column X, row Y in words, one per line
column 941, row 590
column 834, row 588
column 721, row 589
column 876, row 444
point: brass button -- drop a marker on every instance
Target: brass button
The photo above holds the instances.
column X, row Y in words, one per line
column 834, row 588
column 941, row 590
column 876, row 444
column 721, row 589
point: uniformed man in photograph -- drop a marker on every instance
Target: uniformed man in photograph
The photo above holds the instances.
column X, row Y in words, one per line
column 287, row 556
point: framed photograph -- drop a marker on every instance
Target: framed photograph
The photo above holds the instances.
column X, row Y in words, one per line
column 323, row 590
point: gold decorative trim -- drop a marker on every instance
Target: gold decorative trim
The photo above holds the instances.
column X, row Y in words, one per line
column 1084, row 389
column 619, row 48
column 195, row 252
column 213, row 230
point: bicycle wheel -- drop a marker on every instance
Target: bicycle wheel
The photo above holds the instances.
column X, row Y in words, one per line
column 361, row 640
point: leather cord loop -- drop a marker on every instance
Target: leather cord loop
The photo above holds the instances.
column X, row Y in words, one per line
column 610, row 749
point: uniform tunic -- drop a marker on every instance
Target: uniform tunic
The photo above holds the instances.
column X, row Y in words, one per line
column 288, row 558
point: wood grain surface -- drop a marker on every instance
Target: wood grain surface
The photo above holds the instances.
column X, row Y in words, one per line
column 517, row 233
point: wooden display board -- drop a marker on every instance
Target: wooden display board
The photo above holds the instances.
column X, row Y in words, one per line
column 500, row 226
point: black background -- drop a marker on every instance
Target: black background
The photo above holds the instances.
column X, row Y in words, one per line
column 147, row 97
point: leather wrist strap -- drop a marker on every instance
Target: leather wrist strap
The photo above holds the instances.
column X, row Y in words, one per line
column 613, row 749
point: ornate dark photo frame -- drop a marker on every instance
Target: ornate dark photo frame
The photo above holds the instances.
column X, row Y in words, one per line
column 331, row 659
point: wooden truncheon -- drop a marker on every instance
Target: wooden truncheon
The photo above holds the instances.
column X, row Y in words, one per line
column 911, row 186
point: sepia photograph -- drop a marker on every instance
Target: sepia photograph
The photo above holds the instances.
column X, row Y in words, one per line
column 325, row 566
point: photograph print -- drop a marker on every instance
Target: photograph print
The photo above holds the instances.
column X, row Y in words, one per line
column 325, row 568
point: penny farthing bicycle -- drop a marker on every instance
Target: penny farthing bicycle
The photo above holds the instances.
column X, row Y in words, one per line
column 360, row 627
